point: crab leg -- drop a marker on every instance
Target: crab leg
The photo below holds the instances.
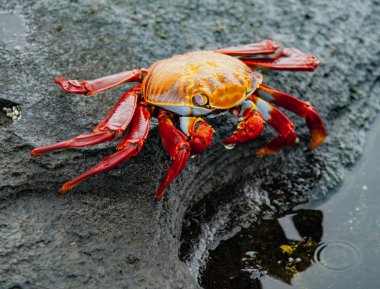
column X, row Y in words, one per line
column 129, row 146
column 287, row 59
column 250, row 126
column 199, row 133
column 116, row 121
column 263, row 47
column 120, row 115
column 89, row 87
column 278, row 121
column 82, row 140
column 301, row 108
column 177, row 146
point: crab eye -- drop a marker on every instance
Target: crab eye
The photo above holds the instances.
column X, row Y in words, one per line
column 200, row 99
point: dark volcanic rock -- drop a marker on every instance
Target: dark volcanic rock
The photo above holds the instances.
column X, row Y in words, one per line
column 109, row 232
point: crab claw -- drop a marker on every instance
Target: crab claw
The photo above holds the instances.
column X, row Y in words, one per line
column 199, row 133
column 287, row 59
column 248, row 129
column 201, row 138
column 73, row 86
column 262, row 47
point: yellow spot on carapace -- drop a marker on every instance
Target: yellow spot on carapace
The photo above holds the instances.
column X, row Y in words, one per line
column 227, row 96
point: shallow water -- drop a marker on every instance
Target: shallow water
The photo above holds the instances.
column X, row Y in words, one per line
column 333, row 244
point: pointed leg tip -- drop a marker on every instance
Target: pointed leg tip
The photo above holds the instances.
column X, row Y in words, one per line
column 275, row 45
column 316, row 63
column 313, row 66
column 316, row 141
column 35, row 152
column 159, row 194
column 63, row 83
column 161, row 190
column 264, row 152
column 66, row 187
column 62, row 190
column 318, row 136
column 58, row 79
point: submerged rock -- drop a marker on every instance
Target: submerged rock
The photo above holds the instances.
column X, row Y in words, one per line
column 109, row 231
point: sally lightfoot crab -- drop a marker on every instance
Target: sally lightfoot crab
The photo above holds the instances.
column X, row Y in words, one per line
column 180, row 90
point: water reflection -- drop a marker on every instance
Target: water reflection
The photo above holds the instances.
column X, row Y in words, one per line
column 279, row 248
column 347, row 257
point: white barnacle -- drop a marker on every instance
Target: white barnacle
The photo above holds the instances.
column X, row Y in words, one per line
column 13, row 113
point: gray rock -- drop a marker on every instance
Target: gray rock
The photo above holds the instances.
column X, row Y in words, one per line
column 109, row 232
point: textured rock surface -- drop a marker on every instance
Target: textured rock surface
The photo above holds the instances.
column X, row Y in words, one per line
column 109, row 232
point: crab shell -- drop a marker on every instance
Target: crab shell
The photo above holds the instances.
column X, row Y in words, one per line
column 197, row 83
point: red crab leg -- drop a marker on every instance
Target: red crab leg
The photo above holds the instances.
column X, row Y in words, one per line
column 120, row 115
column 177, row 146
column 287, row 59
column 301, row 108
column 130, row 146
column 116, row 121
column 279, row 122
column 263, row 47
column 199, row 133
column 83, row 140
column 89, row 87
column 250, row 127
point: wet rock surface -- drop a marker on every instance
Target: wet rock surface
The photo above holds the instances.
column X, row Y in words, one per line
column 109, row 232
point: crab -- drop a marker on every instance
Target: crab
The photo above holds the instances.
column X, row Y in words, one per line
column 180, row 91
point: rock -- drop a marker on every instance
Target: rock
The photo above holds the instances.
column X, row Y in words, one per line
column 109, row 232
